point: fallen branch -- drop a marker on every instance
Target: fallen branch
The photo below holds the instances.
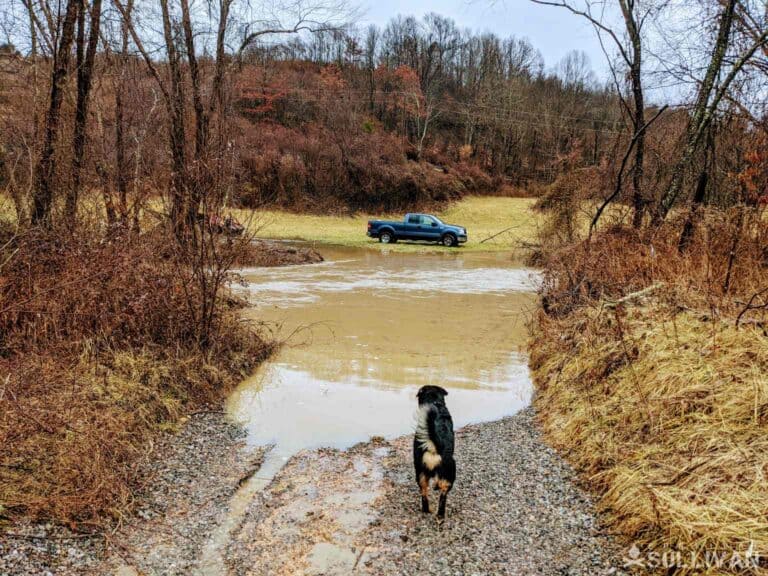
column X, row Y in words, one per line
column 498, row 234
column 611, row 304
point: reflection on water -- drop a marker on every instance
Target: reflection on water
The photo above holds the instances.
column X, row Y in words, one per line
column 367, row 329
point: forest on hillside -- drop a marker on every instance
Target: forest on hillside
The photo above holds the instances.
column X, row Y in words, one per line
column 414, row 114
column 321, row 114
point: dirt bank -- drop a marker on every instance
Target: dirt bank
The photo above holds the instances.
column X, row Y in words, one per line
column 188, row 479
column 664, row 409
column 271, row 253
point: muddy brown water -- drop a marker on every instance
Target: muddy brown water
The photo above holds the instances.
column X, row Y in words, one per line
column 364, row 330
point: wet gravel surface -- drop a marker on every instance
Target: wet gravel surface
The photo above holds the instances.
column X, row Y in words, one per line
column 189, row 478
column 515, row 509
column 46, row 550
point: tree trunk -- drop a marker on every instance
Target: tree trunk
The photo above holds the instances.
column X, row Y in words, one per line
column 201, row 119
column 85, row 66
column 180, row 205
column 702, row 113
column 46, row 167
column 638, row 118
column 690, row 222
column 121, row 164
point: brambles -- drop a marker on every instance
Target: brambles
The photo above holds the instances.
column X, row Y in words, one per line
column 100, row 349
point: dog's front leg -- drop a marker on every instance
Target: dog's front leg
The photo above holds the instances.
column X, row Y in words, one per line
column 424, row 486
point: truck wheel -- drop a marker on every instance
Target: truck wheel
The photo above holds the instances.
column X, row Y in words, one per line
column 449, row 240
column 386, row 237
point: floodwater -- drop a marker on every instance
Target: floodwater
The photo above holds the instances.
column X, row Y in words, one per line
column 365, row 329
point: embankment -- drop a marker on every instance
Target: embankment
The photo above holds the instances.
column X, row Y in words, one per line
column 99, row 356
column 658, row 396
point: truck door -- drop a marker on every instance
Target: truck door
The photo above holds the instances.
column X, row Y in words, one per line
column 430, row 229
column 413, row 226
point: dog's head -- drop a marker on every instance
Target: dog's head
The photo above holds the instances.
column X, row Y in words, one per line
column 431, row 395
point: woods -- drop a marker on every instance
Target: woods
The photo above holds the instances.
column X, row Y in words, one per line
column 128, row 126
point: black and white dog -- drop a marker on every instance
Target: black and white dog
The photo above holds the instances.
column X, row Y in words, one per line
column 433, row 447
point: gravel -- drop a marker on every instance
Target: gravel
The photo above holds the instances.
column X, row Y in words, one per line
column 189, row 478
column 515, row 509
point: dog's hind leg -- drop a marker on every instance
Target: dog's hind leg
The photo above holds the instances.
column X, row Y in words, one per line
column 444, row 486
column 424, row 485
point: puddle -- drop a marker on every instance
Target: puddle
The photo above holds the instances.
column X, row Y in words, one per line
column 365, row 329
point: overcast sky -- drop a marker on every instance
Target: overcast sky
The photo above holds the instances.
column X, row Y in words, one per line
column 553, row 31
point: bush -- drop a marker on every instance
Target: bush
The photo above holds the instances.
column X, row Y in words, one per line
column 98, row 351
column 313, row 169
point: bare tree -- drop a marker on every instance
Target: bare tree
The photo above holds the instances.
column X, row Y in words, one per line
column 86, row 57
column 294, row 16
column 631, row 51
column 710, row 95
column 46, row 168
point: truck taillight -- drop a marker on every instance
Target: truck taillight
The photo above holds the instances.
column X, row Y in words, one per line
column 369, row 225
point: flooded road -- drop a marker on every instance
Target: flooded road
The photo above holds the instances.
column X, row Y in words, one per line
column 366, row 329
column 363, row 331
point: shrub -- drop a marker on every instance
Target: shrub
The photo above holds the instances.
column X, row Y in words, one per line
column 98, row 351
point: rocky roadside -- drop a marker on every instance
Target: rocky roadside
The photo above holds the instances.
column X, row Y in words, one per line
column 189, row 479
column 514, row 510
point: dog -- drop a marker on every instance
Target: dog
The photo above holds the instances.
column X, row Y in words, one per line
column 433, row 447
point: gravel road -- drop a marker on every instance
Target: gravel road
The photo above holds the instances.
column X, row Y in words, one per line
column 515, row 509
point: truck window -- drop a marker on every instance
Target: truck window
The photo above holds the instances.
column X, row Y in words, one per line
column 414, row 219
column 427, row 221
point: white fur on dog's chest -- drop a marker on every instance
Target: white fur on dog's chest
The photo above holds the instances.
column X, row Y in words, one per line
column 431, row 459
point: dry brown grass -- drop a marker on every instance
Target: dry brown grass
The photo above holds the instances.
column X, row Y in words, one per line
column 649, row 387
column 97, row 353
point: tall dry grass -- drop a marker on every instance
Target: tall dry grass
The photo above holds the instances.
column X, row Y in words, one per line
column 651, row 368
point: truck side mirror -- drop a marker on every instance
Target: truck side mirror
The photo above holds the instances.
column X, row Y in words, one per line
column 434, row 224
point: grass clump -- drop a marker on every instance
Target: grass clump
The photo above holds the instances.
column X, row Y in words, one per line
column 666, row 416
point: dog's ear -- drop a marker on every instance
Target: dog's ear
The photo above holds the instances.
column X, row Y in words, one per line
column 442, row 391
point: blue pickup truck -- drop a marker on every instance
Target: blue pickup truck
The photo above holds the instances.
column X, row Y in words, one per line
column 417, row 227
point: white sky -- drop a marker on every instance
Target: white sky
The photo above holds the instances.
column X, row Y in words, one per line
column 553, row 31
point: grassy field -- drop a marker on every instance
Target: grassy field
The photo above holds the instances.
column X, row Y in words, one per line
column 481, row 216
